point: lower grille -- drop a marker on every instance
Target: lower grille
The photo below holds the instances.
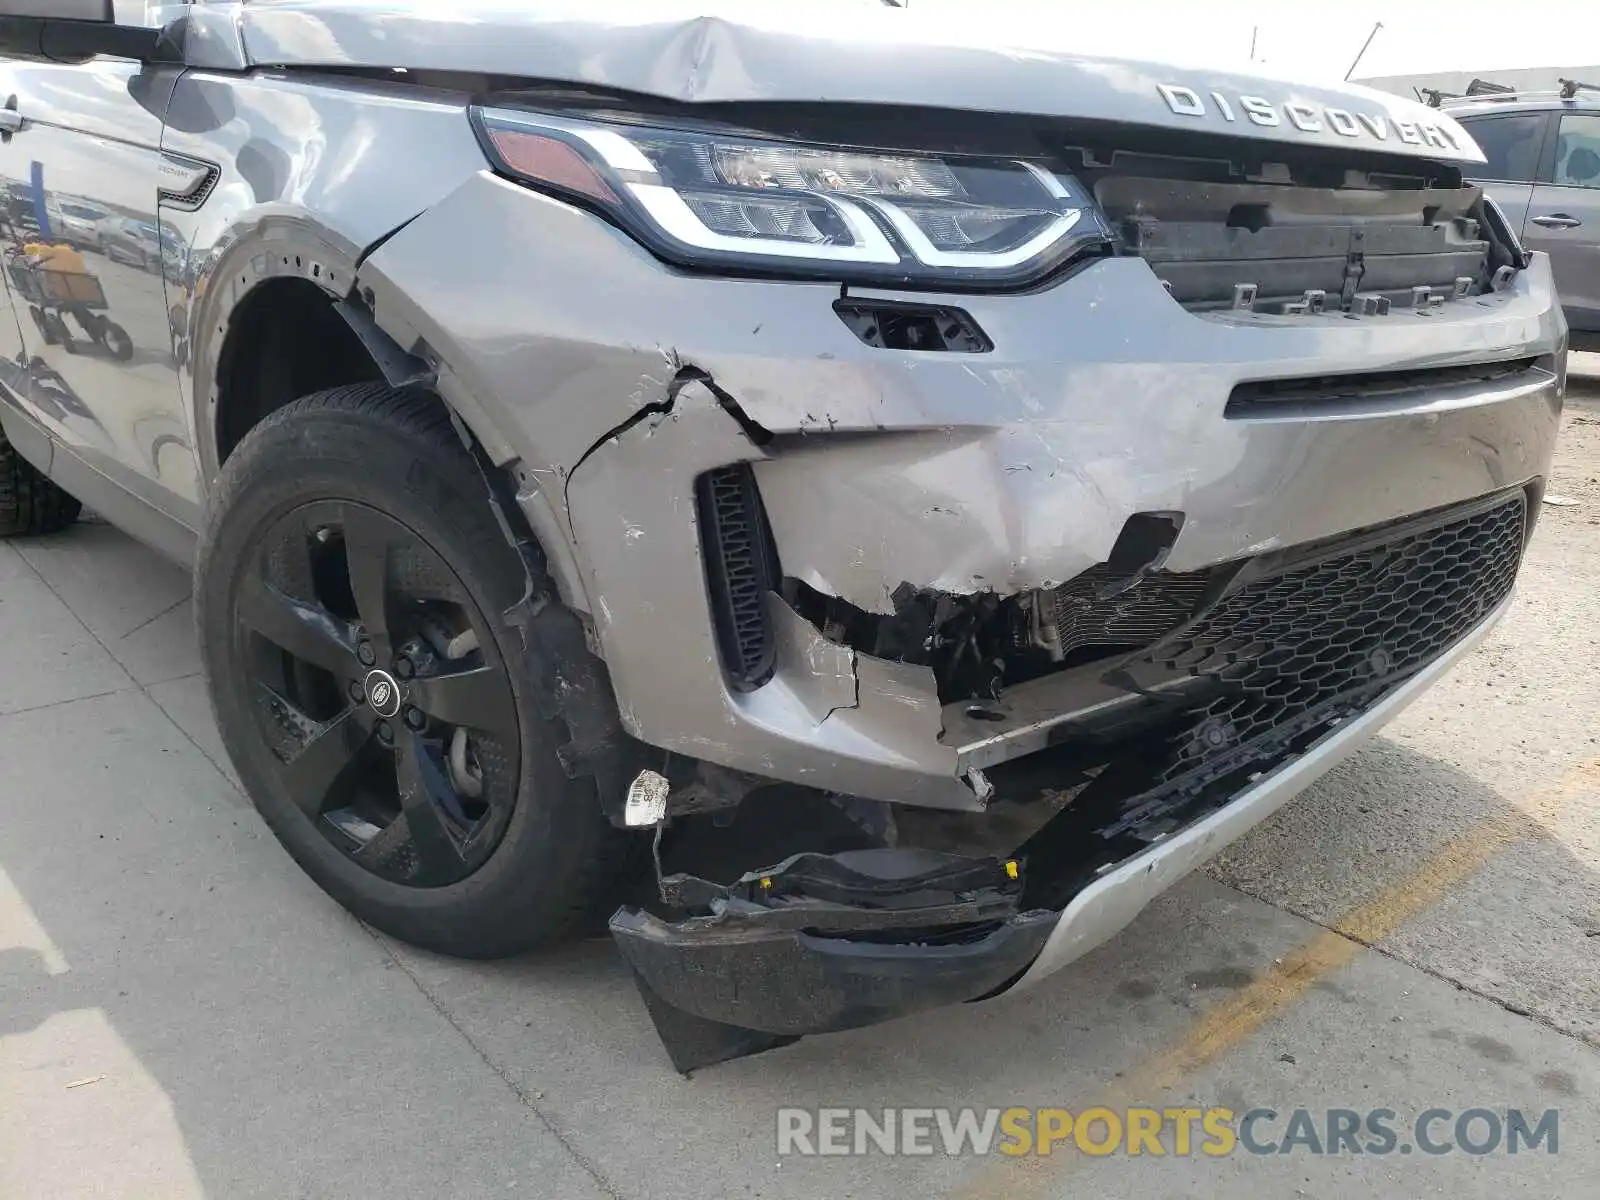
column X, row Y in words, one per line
column 741, row 568
column 1079, row 614
column 1284, row 652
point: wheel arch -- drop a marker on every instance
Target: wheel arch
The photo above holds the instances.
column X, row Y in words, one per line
column 264, row 276
column 231, row 293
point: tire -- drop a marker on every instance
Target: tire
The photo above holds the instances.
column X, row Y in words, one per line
column 44, row 324
column 115, row 339
column 394, row 457
column 30, row 504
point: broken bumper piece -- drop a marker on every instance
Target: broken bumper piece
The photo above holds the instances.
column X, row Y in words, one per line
column 821, row 943
column 824, row 943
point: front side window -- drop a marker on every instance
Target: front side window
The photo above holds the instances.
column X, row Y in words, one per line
column 1578, row 151
column 1511, row 144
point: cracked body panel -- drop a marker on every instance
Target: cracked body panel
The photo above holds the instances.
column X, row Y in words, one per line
column 971, row 473
column 864, row 734
column 975, row 483
column 826, row 670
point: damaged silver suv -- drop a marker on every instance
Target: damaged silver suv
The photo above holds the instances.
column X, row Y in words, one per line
column 895, row 505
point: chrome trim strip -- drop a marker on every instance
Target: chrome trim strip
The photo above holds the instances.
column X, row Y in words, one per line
column 1420, row 402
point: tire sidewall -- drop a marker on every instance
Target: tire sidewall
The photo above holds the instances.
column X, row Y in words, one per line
column 116, row 340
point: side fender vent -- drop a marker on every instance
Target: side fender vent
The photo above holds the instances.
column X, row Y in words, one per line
column 741, row 567
column 186, row 183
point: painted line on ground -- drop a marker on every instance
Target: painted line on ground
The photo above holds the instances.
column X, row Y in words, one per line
column 1228, row 1024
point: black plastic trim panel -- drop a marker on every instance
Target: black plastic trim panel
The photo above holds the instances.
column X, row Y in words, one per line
column 1261, row 397
column 741, row 568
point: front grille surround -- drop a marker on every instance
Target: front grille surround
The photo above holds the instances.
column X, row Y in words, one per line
column 1235, row 225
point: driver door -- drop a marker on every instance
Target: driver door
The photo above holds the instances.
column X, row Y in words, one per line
column 102, row 379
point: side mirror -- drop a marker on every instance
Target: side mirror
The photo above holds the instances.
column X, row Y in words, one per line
column 78, row 30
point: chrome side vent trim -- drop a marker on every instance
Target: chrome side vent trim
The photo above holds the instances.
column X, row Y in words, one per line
column 186, row 183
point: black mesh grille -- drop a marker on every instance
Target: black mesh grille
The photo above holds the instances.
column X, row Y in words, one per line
column 1345, row 628
column 1080, row 614
column 741, row 568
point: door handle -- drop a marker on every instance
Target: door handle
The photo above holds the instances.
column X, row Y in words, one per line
column 1557, row 221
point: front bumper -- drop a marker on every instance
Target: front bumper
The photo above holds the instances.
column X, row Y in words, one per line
column 718, row 989
column 823, row 942
column 611, row 383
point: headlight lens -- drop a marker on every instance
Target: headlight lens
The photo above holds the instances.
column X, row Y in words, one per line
column 741, row 203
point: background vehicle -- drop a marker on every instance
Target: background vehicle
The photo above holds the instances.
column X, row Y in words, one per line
column 1544, row 170
column 578, row 427
column 77, row 223
column 137, row 243
column 174, row 256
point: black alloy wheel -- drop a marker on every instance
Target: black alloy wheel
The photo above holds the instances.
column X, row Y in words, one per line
column 362, row 626
column 378, row 690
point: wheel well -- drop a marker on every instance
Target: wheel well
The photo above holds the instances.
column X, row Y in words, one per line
column 286, row 341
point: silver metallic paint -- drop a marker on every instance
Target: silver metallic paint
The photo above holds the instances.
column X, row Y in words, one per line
column 94, row 132
column 213, row 38
column 705, row 53
column 312, row 174
column 1001, row 471
column 553, row 332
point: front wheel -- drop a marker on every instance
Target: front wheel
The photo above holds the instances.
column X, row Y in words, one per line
column 351, row 588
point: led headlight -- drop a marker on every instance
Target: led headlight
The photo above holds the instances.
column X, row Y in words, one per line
column 711, row 199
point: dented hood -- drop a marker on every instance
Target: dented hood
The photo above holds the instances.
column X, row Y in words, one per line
column 838, row 52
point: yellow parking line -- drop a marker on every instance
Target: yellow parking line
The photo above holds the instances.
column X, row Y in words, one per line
column 1251, row 1007
column 1231, row 1022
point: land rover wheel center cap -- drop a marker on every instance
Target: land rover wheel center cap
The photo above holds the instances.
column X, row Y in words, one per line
column 383, row 693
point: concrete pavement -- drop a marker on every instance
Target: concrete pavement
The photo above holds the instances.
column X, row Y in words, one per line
column 183, row 1014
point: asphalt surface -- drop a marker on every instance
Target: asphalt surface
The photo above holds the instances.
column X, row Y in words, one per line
column 183, row 1014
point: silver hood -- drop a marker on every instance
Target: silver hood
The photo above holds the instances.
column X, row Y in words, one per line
column 863, row 53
